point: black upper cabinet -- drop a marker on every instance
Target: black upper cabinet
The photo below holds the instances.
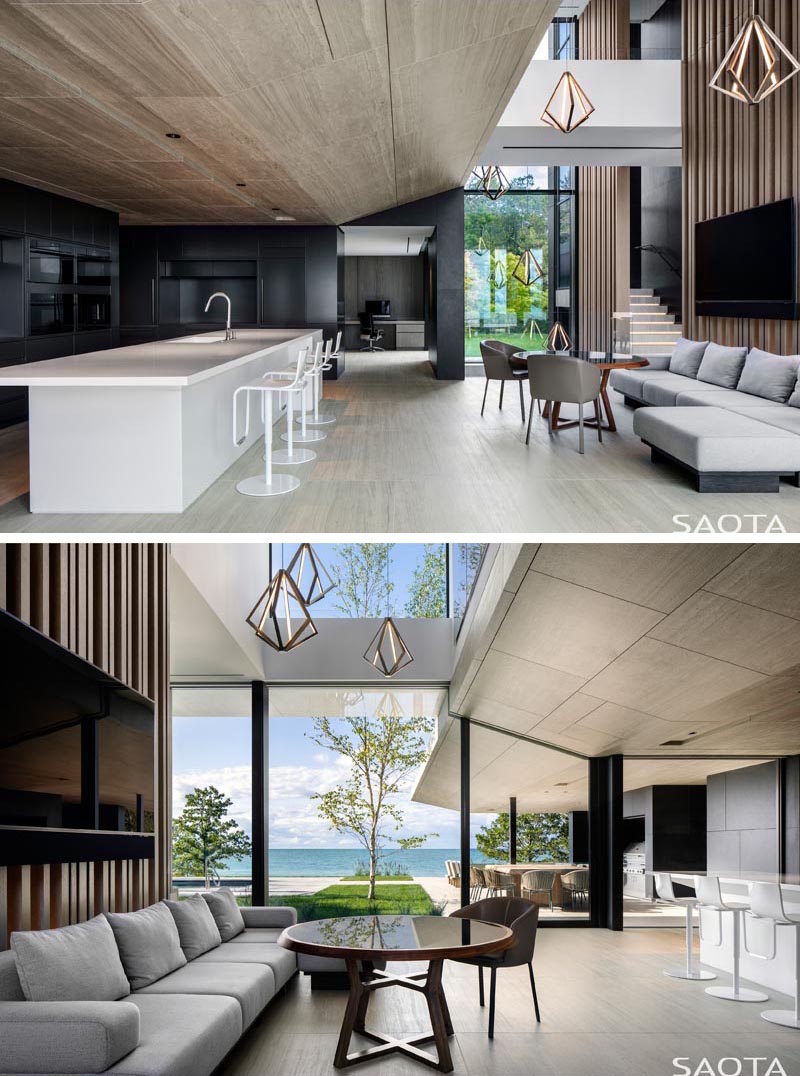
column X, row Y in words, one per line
column 37, row 211
column 83, row 224
column 282, row 288
column 12, row 206
column 138, row 270
column 219, row 242
column 61, row 218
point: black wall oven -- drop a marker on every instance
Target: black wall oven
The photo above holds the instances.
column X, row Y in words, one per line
column 69, row 288
column 94, row 310
column 94, row 269
column 50, row 263
column 51, row 311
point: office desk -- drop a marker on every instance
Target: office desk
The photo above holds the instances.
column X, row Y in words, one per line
column 399, row 334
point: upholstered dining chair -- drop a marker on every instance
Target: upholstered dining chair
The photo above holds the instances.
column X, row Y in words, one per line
column 496, row 367
column 522, row 918
column 561, row 379
column 538, row 882
column 499, row 884
column 575, row 884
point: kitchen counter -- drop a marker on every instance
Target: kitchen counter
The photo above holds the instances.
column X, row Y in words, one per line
column 145, row 428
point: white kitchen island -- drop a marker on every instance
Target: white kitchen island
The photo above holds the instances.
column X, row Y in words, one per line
column 145, row 428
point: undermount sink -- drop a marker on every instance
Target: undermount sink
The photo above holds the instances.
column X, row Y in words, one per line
column 200, row 340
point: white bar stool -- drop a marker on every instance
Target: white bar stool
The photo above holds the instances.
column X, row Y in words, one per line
column 766, row 902
column 270, row 484
column 666, row 892
column 710, row 897
column 316, row 418
column 291, row 455
column 313, row 369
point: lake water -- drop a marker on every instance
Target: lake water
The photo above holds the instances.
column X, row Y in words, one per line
column 339, row 862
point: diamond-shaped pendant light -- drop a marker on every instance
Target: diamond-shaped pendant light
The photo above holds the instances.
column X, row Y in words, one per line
column 387, row 652
column 499, row 274
column 389, row 706
column 557, row 339
column 528, row 270
column 755, row 65
column 569, row 106
column 309, row 573
column 280, row 616
column 493, row 181
column 481, row 248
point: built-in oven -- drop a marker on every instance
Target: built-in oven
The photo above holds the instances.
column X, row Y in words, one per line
column 94, row 269
column 50, row 263
column 51, row 311
column 94, row 310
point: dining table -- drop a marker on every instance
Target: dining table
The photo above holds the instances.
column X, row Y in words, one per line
column 515, row 871
column 362, row 941
column 605, row 361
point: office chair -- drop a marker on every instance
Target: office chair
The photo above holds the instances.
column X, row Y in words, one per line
column 369, row 333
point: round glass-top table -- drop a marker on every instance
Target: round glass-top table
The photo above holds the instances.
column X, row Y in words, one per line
column 361, row 940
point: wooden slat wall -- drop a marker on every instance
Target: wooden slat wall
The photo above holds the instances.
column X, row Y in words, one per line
column 603, row 195
column 735, row 157
column 108, row 604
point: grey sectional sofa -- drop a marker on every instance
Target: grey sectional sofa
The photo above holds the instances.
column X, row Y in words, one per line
column 181, row 1024
column 729, row 416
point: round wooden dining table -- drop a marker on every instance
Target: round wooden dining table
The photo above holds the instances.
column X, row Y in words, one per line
column 605, row 363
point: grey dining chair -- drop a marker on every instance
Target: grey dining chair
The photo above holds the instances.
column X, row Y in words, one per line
column 496, row 367
column 561, row 379
column 522, row 918
column 534, row 882
column 576, row 886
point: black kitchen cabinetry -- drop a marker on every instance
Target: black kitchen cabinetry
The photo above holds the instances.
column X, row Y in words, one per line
column 138, row 259
column 68, row 250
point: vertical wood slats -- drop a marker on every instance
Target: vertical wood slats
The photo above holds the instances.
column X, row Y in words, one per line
column 107, row 603
column 735, row 157
column 603, row 195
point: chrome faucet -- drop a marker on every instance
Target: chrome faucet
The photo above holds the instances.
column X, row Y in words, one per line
column 229, row 333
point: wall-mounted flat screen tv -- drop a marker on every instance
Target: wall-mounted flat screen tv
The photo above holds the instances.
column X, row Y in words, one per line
column 745, row 264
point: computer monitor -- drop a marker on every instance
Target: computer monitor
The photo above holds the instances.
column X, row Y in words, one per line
column 379, row 308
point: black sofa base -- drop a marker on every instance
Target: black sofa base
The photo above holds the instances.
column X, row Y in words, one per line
column 726, row 481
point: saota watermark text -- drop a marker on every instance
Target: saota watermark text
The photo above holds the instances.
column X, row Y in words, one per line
column 729, row 523
column 729, row 1066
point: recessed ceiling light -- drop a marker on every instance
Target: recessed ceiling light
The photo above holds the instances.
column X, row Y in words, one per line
column 284, row 216
column 241, row 184
column 173, row 134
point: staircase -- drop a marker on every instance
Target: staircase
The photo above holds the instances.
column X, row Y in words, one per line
column 654, row 330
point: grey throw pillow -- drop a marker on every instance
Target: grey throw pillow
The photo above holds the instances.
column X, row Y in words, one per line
column 225, row 911
column 722, row 365
column 196, row 927
column 148, row 944
column 687, row 356
column 77, row 963
column 770, row 376
column 794, row 399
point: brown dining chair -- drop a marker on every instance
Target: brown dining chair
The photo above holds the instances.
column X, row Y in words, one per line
column 522, row 918
column 575, row 886
column 561, row 379
column 534, row 882
column 496, row 367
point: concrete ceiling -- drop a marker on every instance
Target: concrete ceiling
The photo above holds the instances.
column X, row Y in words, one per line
column 645, row 650
column 326, row 110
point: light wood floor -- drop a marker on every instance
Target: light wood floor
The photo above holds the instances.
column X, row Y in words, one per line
column 607, row 1010
column 412, row 454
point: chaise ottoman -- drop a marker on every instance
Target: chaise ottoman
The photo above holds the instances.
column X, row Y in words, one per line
column 726, row 452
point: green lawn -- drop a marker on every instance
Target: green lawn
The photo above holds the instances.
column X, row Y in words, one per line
column 379, row 878
column 352, row 900
column 472, row 348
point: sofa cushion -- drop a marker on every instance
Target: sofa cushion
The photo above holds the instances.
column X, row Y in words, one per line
column 148, row 942
column 632, row 382
column 252, row 985
column 66, row 1036
column 283, row 962
column 783, row 418
column 664, row 391
column 710, row 439
column 771, row 377
column 76, row 963
column 225, row 911
column 275, row 916
column 700, row 395
column 794, row 399
column 256, row 934
column 722, row 365
column 10, row 986
column 196, row 927
column 687, row 356
column 181, row 1035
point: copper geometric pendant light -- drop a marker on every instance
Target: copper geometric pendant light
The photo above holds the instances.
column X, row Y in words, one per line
column 558, row 339
column 481, row 248
column 493, row 181
column 756, row 64
column 280, row 616
column 311, row 576
column 387, row 653
column 389, row 706
column 528, row 270
column 499, row 275
column 569, row 106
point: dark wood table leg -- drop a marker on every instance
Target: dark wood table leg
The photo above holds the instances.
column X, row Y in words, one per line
column 361, row 1016
column 435, row 997
column 351, row 1014
column 611, row 425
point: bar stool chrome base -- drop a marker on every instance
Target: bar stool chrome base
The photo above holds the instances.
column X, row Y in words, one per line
column 305, row 438
column 298, row 455
column 320, row 420
column 682, row 973
column 729, row 993
column 258, row 487
column 784, row 1017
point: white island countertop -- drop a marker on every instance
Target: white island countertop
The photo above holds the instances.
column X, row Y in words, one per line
column 178, row 362
column 145, row 428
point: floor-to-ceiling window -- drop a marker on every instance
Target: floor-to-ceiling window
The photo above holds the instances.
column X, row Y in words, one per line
column 518, row 258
